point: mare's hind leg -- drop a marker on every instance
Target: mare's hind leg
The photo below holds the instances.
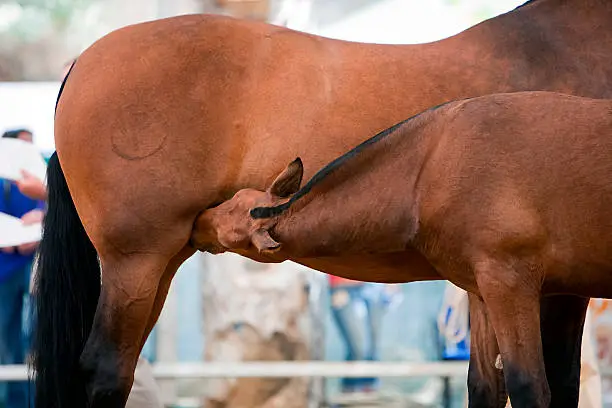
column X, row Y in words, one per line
column 512, row 296
column 486, row 387
column 164, row 287
column 129, row 288
column 562, row 322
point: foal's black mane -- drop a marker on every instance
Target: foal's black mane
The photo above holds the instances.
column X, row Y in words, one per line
column 268, row 212
column 526, row 3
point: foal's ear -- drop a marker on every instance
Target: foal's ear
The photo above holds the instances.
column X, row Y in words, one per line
column 288, row 182
column 264, row 242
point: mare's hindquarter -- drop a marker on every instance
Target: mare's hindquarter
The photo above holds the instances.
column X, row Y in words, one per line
column 522, row 179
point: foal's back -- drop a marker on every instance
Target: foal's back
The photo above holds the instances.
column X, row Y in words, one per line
column 526, row 174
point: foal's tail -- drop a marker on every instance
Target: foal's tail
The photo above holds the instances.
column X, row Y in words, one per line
column 67, row 288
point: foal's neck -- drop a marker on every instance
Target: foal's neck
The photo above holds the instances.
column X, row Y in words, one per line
column 364, row 201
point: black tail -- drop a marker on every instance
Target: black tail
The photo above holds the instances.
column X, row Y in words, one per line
column 67, row 288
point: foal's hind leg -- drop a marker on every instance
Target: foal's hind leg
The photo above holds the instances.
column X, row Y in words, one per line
column 512, row 297
column 486, row 387
column 129, row 288
column 562, row 322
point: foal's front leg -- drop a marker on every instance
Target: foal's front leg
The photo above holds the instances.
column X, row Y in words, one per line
column 512, row 297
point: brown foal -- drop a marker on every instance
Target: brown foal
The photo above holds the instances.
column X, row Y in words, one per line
column 508, row 196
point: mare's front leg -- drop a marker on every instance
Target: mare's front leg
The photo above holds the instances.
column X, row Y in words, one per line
column 511, row 293
column 562, row 322
column 486, row 386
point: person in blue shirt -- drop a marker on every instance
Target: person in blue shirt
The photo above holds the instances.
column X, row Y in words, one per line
column 15, row 269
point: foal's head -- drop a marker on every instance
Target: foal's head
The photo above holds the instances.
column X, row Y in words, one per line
column 231, row 226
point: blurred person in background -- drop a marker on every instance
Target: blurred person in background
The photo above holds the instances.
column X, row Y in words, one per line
column 358, row 309
column 15, row 270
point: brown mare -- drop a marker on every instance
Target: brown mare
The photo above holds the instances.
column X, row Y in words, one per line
column 508, row 196
column 162, row 120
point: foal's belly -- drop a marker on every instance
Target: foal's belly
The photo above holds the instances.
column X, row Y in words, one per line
column 393, row 267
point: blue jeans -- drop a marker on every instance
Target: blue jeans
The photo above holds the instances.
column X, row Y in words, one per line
column 14, row 337
column 360, row 337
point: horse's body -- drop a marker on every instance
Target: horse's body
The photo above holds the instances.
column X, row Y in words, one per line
column 162, row 120
column 508, row 195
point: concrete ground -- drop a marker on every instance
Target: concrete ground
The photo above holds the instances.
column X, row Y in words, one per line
column 428, row 397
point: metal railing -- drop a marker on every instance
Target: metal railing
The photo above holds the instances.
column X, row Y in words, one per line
column 169, row 371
